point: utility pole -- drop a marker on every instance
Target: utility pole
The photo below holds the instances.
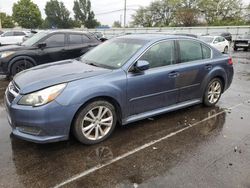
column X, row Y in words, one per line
column 125, row 10
column 121, row 20
column 0, row 19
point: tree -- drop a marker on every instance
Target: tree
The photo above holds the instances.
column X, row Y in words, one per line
column 6, row 20
column 84, row 14
column 216, row 11
column 117, row 24
column 186, row 17
column 158, row 14
column 58, row 15
column 187, row 13
column 142, row 17
column 26, row 14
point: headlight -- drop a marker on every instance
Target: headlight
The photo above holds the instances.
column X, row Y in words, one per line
column 42, row 97
column 6, row 54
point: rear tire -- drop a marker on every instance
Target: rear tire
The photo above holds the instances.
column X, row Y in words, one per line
column 213, row 92
column 95, row 122
column 19, row 66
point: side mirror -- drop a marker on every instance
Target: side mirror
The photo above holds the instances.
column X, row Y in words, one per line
column 141, row 65
column 215, row 42
column 102, row 39
column 42, row 45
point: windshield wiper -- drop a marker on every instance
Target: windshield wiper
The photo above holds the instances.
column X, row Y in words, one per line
column 91, row 63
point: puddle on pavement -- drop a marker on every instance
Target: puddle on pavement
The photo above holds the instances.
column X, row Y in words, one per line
column 41, row 162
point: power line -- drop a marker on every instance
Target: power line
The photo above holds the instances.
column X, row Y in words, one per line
column 113, row 11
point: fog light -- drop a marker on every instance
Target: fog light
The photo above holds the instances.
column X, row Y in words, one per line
column 30, row 130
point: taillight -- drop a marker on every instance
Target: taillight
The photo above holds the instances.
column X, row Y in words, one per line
column 230, row 61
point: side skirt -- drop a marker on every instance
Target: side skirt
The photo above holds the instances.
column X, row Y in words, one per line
column 148, row 114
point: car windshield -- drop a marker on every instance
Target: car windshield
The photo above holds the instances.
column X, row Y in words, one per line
column 34, row 39
column 114, row 53
column 207, row 39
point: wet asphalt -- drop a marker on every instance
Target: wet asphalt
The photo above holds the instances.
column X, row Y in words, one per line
column 193, row 147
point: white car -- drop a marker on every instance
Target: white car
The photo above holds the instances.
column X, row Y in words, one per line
column 12, row 37
column 218, row 42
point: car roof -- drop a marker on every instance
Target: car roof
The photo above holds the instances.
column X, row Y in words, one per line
column 154, row 37
column 211, row 36
column 64, row 31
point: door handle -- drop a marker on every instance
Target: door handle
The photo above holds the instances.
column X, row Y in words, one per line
column 173, row 74
column 208, row 67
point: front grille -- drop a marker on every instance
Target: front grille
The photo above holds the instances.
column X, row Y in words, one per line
column 12, row 92
column 10, row 96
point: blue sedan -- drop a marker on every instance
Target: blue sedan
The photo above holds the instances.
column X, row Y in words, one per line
column 123, row 80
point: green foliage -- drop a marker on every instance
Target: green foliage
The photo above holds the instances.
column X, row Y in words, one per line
column 117, row 24
column 6, row 20
column 142, row 17
column 162, row 13
column 58, row 15
column 84, row 14
column 26, row 14
column 219, row 11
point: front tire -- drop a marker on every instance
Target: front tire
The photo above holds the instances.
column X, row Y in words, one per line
column 213, row 92
column 95, row 122
column 19, row 66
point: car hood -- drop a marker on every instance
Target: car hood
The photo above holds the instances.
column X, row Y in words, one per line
column 55, row 73
column 12, row 48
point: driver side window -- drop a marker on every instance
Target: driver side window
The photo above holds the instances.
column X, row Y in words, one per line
column 161, row 54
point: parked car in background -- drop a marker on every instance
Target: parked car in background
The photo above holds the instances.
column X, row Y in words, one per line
column 12, row 37
column 29, row 35
column 100, row 36
column 218, row 42
column 45, row 47
column 226, row 35
column 242, row 41
column 123, row 80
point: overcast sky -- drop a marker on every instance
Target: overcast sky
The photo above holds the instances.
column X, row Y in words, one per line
column 98, row 6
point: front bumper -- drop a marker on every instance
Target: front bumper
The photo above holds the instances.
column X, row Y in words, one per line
column 2, row 70
column 45, row 124
column 3, row 66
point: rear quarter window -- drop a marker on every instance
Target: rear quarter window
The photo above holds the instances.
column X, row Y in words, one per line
column 206, row 52
column 190, row 50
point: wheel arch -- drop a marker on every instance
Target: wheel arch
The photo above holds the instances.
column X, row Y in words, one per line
column 21, row 57
column 109, row 99
column 218, row 73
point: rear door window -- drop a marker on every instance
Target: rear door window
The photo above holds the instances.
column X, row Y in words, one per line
column 190, row 51
column 161, row 54
column 75, row 39
column 56, row 40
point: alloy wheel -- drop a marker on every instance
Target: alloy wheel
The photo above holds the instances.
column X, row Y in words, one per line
column 214, row 92
column 97, row 123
